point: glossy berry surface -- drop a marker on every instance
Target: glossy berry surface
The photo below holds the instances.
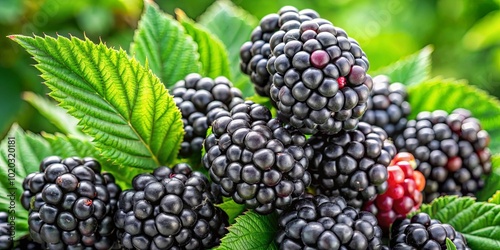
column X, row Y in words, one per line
column 403, row 194
column 5, row 231
column 422, row 232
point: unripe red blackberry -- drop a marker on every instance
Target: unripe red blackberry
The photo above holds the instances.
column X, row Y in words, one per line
column 170, row 209
column 199, row 100
column 71, row 204
column 256, row 160
column 451, row 151
column 255, row 53
column 352, row 164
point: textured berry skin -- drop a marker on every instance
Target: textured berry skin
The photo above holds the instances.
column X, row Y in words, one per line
column 352, row 164
column 451, row 151
column 387, row 106
column 255, row 53
column 319, row 80
column 256, row 160
column 169, row 209
column 403, row 194
column 422, row 232
column 5, row 231
column 321, row 222
column 71, row 204
column 199, row 100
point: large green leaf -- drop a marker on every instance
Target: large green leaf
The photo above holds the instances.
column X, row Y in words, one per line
column 479, row 222
column 495, row 199
column 412, row 70
column 492, row 183
column 160, row 42
column 232, row 209
column 449, row 95
column 233, row 26
column 213, row 55
column 251, row 231
column 119, row 102
column 484, row 32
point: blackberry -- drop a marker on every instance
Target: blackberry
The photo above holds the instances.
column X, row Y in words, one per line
column 27, row 243
column 255, row 53
column 422, row 232
column 71, row 204
column 319, row 80
column 403, row 194
column 169, row 209
column 451, row 152
column 321, row 222
column 387, row 106
column 352, row 164
column 5, row 231
column 256, row 160
column 199, row 100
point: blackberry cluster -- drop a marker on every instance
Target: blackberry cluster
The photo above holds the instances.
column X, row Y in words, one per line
column 71, row 204
column 321, row 222
column 256, row 160
column 387, row 106
column 420, row 232
column 255, row 53
column 169, row 209
column 27, row 243
column 199, row 100
column 5, row 231
column 451, row 151
column 319, row 79
column 352, row 164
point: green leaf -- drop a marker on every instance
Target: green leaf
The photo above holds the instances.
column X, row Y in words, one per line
column 66, row 123
column 160, row 43
column 411, row 70
column 479, row 222
column 492, row 182
column 251, row 231
column 450, row 245
column 484, row 33
column 495, row 199
column 232, row 209
column 121, row 104
column 213, row 55
column 449, row 95
column 233, row 26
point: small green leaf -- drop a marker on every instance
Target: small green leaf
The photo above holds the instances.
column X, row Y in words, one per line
column 160, row 42
column 232, row 209
column 66, row 123
column 251, row 231
column 233, row 26
column 412, row 70
column 495, row 199
column 213, row 55
column 479, row 222
column 492, row 182
column 450, row 245
column 449, row 95
column 121, row 104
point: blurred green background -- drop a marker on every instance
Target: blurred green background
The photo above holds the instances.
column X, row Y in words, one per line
column 465, row 36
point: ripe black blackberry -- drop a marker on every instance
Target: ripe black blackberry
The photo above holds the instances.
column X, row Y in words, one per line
column 255, row 53
column 451, row 151
column 5, row 231
column 199, row 100
column 420, row 232
column 387, row 106
column 319, row 79
column 321, row 222
column 169, row 209
column 256, row 160
column 352, row 164
column 71, row 204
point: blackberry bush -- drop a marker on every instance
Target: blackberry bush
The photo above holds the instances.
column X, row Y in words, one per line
column 352, row 164
column 199, row 100
column 403, row 194
column 172, row 208
column 420, row 232
column 388, row 107
column 321, row 222
column 451, row 151
column 71, row 204
column 255, row 53
column 256, row 160
column 319, row 79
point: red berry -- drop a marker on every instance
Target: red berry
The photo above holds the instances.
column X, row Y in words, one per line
column 454, row 163
column 384, row 202
column 396, row 175
column 319, row 59
column 341, row 81
column 405, row 156
column 417, row 198
column 403, row 205
column 410, row 186
column 407, row 168
column 419, row 180
column 396, row 192
column 385, row 219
